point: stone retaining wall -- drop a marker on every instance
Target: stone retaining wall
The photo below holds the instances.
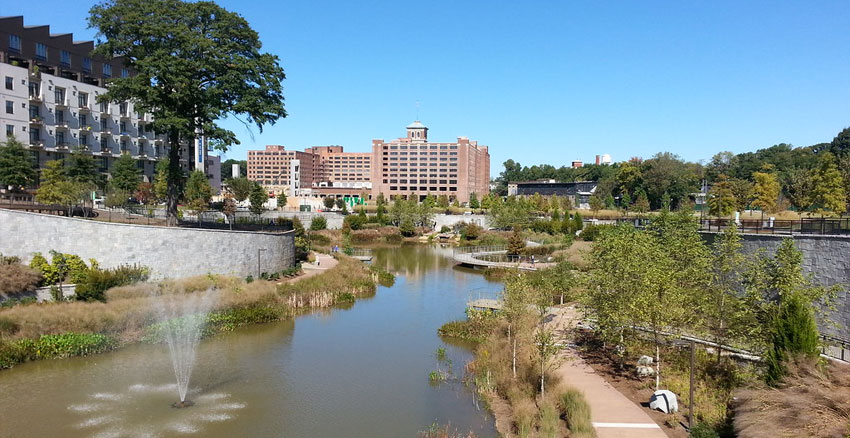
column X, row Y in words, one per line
column 168, row 252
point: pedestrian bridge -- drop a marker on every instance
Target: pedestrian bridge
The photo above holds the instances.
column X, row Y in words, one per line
column 495, row 257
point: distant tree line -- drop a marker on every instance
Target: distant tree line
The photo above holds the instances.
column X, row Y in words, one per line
column 813, row 178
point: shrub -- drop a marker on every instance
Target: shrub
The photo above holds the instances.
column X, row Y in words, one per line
column 16, row 278
column 318, row 223
column 96, row 282
column 54, row 346
column 354, row 221
column 470, row 232
column 703, row 430
column 444, row 229
column 320, row 239
column 393, row 238
column 592, row 232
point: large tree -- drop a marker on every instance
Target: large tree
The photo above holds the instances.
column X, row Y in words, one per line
column 241, row 188
column 828, row 195
column 16, row 166
column 194, row 63
column 766, row 192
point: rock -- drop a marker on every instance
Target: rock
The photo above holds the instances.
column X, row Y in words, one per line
column 664, row 401
column 645, row 360
column 645, row 371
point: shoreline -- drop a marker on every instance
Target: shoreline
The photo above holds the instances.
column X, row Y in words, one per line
column 127, row 317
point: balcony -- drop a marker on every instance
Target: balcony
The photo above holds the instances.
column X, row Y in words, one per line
column 84, row 109
column 85, row 128
column 36, row 121
column 105, row 151
column 36, row 144
column 61, row 103
column 84, row 148
column 124, row 115
column 125, row 136
column 35, row 98
column 105, row 131
column 63, row 146
column 104, row 111
column 62, row 125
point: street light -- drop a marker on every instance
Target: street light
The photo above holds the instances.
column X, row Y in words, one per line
column 259, row 251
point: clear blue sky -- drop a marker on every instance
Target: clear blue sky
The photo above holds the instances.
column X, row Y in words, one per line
column 544, row 81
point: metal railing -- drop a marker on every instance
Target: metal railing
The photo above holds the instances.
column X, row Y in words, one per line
column 823, row 226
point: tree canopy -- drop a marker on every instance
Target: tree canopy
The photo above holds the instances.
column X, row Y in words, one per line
column 16, row 166
column 194, row 63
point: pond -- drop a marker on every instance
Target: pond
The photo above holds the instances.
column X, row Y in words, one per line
column 360, row 371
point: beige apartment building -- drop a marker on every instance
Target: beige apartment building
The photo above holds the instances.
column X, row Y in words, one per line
column 413, row 166
column 409, row 166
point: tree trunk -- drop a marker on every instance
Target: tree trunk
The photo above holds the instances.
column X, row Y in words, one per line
column 513, row 359
column 542, row 377
column 173, row 179
column 657, row 364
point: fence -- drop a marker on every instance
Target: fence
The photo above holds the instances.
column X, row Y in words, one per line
column 786, row 227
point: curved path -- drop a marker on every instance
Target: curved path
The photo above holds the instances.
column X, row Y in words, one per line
column 612, row 413
column 474, row 256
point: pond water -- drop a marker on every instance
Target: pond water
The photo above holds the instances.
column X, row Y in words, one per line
column 360, row 371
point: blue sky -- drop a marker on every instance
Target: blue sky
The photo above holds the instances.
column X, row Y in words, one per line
column 543, row 81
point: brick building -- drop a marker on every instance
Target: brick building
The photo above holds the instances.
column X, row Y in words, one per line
column 406, row 166
column 413, row 166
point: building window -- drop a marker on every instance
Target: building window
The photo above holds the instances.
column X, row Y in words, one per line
column 34, row 112
column 125, row 72
column 104, row 143
column 87, row 64
column 104, row 125
column 60, row 117
column 40, row 51
column 65, row 58
column 104, row 107
column 60, row 138
column 107, row 71
column 10, row 107
column 34, row 89
column 84, row 140
column 59, row 96
column 15, row 43
column 84, row 121
column 9, row 82
column 35, row 135
column 10, row 130
column 83, row 100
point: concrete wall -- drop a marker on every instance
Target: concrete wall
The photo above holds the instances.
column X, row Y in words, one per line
column 334, row 219
column 826, row 258
column 169, row 252
column 450, row 219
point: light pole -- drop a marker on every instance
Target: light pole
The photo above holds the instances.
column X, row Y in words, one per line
column 259, row 251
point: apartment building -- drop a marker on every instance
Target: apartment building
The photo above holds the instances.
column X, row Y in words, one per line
column 280, row 170
column 49, row 97
column 413, row 166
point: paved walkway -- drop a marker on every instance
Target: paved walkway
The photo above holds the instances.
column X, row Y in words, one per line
column 323, row 263
column 613, row 414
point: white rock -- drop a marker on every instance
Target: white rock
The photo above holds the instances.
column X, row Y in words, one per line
column 665, row 401
column 645, row 360
column 644, row 371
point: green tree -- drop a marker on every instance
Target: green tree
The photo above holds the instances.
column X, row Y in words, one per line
column 743, row 191
column 722, row 309
column 486, row 201
column 16, row 165
column 641, row 204
column 766, row 190
column 828, row 195
column 160, row 181
column 381, row 209
column 227, row 169
column 144, row 193
column 625, row 202
column 794, row 335
column 328, row 202
column 473, row 201
column 443, row 201
column 56, row 188
column 258, row 197
column 844, row 165
column 198, row 191
column 195, row 63
column 241, row 188
column 721, row 198
column 83, row 169
column 318, row 223
column 799, row 188
column 126, row 176
column 596, row 203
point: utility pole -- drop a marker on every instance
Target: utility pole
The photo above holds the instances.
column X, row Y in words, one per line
column 691, row 389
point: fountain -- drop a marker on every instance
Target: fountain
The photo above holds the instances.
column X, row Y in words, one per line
column 183, row 317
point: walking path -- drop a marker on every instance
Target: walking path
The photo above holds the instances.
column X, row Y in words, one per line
column 323, row 263
column 613, row 414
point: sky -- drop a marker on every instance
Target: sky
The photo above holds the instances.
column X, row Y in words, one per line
column 545, row 82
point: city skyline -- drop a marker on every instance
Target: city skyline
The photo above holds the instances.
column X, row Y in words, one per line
column 559, row 82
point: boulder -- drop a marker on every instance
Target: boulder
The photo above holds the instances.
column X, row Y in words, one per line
column 645, row 360
column 645, row 371
column 664, row 401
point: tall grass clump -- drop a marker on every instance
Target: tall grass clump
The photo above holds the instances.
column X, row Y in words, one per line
column 93, row 286
column 16, row 278
column 576, row 413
